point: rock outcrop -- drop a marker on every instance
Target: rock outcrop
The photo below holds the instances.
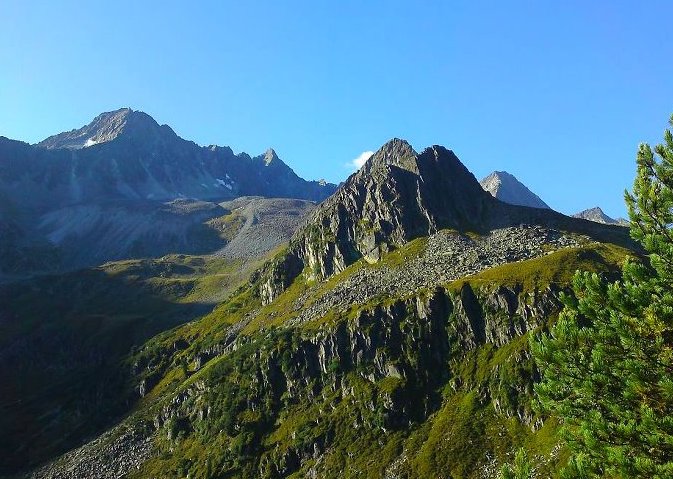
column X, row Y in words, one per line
column 416, row 344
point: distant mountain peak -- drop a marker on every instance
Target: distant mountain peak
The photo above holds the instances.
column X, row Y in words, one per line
column 597, row 215
column 506, row 187
column 107, row 127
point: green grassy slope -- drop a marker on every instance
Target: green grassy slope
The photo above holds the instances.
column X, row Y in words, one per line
column 265, row 410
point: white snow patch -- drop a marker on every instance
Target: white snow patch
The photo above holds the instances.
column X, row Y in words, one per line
column 90, row 142
column 227, row 176
column 221, row 182
column 204, row 185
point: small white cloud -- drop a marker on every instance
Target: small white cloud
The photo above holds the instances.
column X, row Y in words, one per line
column 356, row 163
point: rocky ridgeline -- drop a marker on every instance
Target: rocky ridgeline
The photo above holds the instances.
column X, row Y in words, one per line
column 127, row 155
column 448, row 256
column 396, row 196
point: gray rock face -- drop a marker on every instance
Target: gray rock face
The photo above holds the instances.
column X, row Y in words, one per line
column 396, row 196
column 507, row 188
column 598, row 216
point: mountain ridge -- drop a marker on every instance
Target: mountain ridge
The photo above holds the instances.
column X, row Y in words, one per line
column 396, row 196
column 126, row 154
column 106, row 127
column 597, row 215
column 106, row 172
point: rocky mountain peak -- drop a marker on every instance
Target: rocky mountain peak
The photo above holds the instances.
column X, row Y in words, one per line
column 395, row 152
column 107, row 127
column 506, row 187
column 398, row 195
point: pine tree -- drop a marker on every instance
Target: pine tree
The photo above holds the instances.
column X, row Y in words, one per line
column 607, row 365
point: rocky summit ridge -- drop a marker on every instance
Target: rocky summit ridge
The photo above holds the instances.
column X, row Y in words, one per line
column 396, row 196
column 107, row 127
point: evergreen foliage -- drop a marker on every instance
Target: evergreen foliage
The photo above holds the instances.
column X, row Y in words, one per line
column 607, row 365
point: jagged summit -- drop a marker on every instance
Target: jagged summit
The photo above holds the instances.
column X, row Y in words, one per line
column 399, row 195
column 107, row 127
column 396, row 196
column 506, row 187
column 597, row 215
column 396, row 152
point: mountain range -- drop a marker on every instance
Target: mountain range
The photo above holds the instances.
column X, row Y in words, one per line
column 124, row 186
column 380, row 333
column 596, row 214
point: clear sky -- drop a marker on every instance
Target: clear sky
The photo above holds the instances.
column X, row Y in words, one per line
column 557, row 93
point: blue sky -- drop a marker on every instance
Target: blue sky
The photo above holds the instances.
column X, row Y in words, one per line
column 557, row 93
